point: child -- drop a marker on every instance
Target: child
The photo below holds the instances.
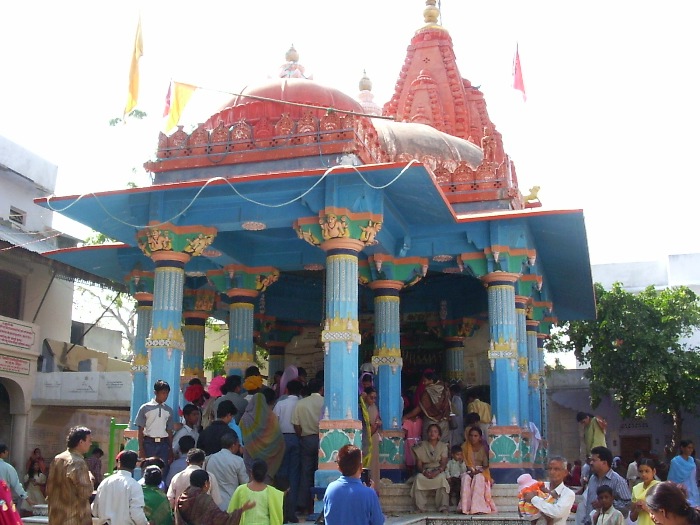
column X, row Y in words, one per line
column 455, row 468
column 606, row 514
column 412, row 429
column 268, row 500
column 526, row 509
column 646, row 470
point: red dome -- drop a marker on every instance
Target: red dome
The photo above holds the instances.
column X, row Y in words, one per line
column 297, row 90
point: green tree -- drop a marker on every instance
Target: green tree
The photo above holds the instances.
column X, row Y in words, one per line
column 636, row 351
column 216, row 362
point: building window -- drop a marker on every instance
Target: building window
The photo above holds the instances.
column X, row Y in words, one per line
column 11, row 296
column 18, row 216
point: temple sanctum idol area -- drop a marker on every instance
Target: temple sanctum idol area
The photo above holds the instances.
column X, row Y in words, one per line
column 399, row 233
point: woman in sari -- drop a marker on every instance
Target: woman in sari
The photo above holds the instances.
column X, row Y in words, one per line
column 434, row 404
column 262, row 435
column 476, row 481
column 371, row 423
column 431, row 462
column 195, row 506
column 683, row 471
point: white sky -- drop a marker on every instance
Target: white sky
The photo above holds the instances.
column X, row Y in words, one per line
column 610, row 125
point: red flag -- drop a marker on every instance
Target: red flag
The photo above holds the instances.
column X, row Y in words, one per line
column 166, row 111
column 518, row 74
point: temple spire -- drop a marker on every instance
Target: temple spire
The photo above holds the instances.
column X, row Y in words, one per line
column 367, row 97
column 291, row 68
column 431, row 13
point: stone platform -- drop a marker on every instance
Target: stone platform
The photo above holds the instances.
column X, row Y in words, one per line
column 395, row 499
column 399, row 510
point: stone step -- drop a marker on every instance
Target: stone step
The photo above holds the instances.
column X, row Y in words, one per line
column 396, row 499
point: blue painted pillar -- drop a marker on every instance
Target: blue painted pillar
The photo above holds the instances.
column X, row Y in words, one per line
column 198, row 303
column 534, row 373
column 454, row 358
column 341, row 336
column 166, row 342
column 388, row 364
column 140, row 392
column 387, row 351
column 503, row 347
column 240, row 330
column 523, row 372
column 193, row 359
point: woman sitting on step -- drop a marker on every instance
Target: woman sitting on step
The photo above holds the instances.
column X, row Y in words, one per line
column 431, row 462
column 476, row 481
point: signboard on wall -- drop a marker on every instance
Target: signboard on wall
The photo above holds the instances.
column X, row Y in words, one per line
column 109, row 388
column 14, row 365
column 17, row 335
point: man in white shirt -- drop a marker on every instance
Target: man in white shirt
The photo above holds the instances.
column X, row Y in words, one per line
column 190, row 413
column 119, row 498
column 284, row 409
column 227, row 467
column 558, row 504
column 195, row 461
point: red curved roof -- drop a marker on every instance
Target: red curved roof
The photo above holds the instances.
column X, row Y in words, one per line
column 286, row 89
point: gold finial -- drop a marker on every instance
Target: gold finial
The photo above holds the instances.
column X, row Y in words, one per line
column 365, row 82
column 292, row 55
column 431, row 13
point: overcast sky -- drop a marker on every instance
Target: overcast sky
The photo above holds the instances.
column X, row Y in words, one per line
column 610, row 124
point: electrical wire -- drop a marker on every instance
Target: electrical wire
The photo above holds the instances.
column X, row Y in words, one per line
column 236, row 191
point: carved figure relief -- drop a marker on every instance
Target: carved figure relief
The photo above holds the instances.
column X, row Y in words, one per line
column 159, row 240
column 488, row 145
column 307, row 236
column 198, row 244
column 369, row 233
column 332, row 227
column 263, row 281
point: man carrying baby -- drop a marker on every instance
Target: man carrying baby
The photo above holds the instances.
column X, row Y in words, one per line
column 557, row 505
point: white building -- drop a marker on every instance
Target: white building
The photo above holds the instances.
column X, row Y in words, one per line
column 36, row 296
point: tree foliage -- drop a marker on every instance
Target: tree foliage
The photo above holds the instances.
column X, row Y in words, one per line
column 216, row 363
column 636, row 351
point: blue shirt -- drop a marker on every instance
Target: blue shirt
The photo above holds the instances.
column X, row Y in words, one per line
column 233, row 426
column 350, row 502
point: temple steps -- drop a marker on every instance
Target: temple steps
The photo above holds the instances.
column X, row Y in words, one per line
column 397, row 505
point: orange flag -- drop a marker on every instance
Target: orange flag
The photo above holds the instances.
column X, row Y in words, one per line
column 178, row 96
column 134, row 71
column 518, row 74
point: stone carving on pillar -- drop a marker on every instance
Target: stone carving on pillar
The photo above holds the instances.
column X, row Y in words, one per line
column 340, row 223
column 166, row 237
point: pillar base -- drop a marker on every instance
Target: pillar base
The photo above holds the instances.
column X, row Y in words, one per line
column 392, row 450
column 333, row 434
column 510, row 454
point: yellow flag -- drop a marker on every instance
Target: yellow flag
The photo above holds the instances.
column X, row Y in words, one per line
column 178, row 96
column 134, row 72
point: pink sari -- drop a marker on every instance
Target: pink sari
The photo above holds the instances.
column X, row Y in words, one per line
column 475, row 497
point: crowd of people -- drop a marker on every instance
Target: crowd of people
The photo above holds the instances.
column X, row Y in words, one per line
column 244, row 453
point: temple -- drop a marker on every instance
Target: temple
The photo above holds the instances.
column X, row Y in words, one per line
column 400, row 233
